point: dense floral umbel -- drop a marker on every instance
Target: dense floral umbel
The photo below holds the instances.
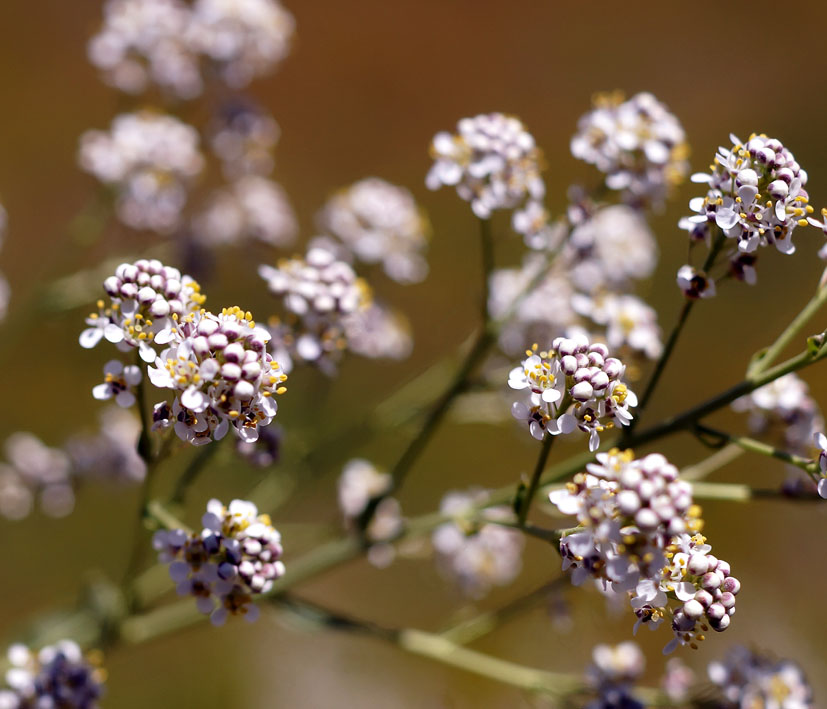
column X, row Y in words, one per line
column 318, row 294
column 572, row 374
column 59, row 676
column 143, row 42
column 630, row 510
column 492, row 160
column 243, row 38
column 747, row 679
column 613, row 675
column 641, row 536
column 756, row 197
column 638, row 144
column 147, row 299
column 149, row 159
column 222, row 374
column 380, row 223
column 473, row 554
column 234, row 558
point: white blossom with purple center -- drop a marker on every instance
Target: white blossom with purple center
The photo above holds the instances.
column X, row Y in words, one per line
column 119, row 383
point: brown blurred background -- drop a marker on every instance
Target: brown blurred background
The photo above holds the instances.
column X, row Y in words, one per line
column 368, row 84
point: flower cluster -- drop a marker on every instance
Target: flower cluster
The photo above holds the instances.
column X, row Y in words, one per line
column 492, row 160
column 359, row 483
column 630, row 509
column 147, row 300
column 642, row 536
column 150, row 159
column 380, row 223
column 613, row 675
column 318, row 293
column 57, row 676
column 474, row 554
column 34, row 470
column 143, row 42
column 378, row 332
column 638, row 144
column 222, row 374
column 629, row 323
column 161, row 42
column 756, row 197
column 234, row 558
column 249, row 208
column 747, row 679
column 573, row 373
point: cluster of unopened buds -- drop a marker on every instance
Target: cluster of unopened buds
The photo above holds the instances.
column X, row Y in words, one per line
column 756, row 197
column 235, row 558
column 577, row 374
column 494, row 163
column 318, row 294
column 57, row 676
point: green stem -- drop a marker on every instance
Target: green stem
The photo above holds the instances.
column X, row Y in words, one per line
column 765, row 359
column 487, row 260
column 752, row 446
column 542, row 459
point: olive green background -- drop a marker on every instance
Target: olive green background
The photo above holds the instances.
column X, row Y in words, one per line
column 368, row 84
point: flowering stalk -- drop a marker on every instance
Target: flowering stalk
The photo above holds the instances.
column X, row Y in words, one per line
column 528, row 496
column 764, row 359
column 752, row 446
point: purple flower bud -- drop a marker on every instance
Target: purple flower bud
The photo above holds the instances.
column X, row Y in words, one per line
column 710, row 581
column 582, row 391
column 731, row 585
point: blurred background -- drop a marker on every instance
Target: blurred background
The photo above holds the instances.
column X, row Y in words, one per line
column 367, row 85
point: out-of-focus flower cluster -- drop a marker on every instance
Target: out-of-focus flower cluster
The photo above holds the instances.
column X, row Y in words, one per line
column 34, row 472
column 161, row 42
column 613, row 674
column 476, row 555
column 638, row 144
column 380, row 223
column 642, row 536
column 234, row 558
column 747, row 679
column 493, row 162
column 359, row 483
column 319, row 295
column 576, row 374
column 149, row 159
column 756, row 197
column 58, row 676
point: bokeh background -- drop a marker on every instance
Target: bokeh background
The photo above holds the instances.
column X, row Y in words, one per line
column 367, row 85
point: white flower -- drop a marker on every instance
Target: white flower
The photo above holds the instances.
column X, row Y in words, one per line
column 694, row 284
column 119, row 383
column 380, row 223
column 628, row 321
column 150, row 159
column 359, row 483
column 492, row 160
column 638, row 144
